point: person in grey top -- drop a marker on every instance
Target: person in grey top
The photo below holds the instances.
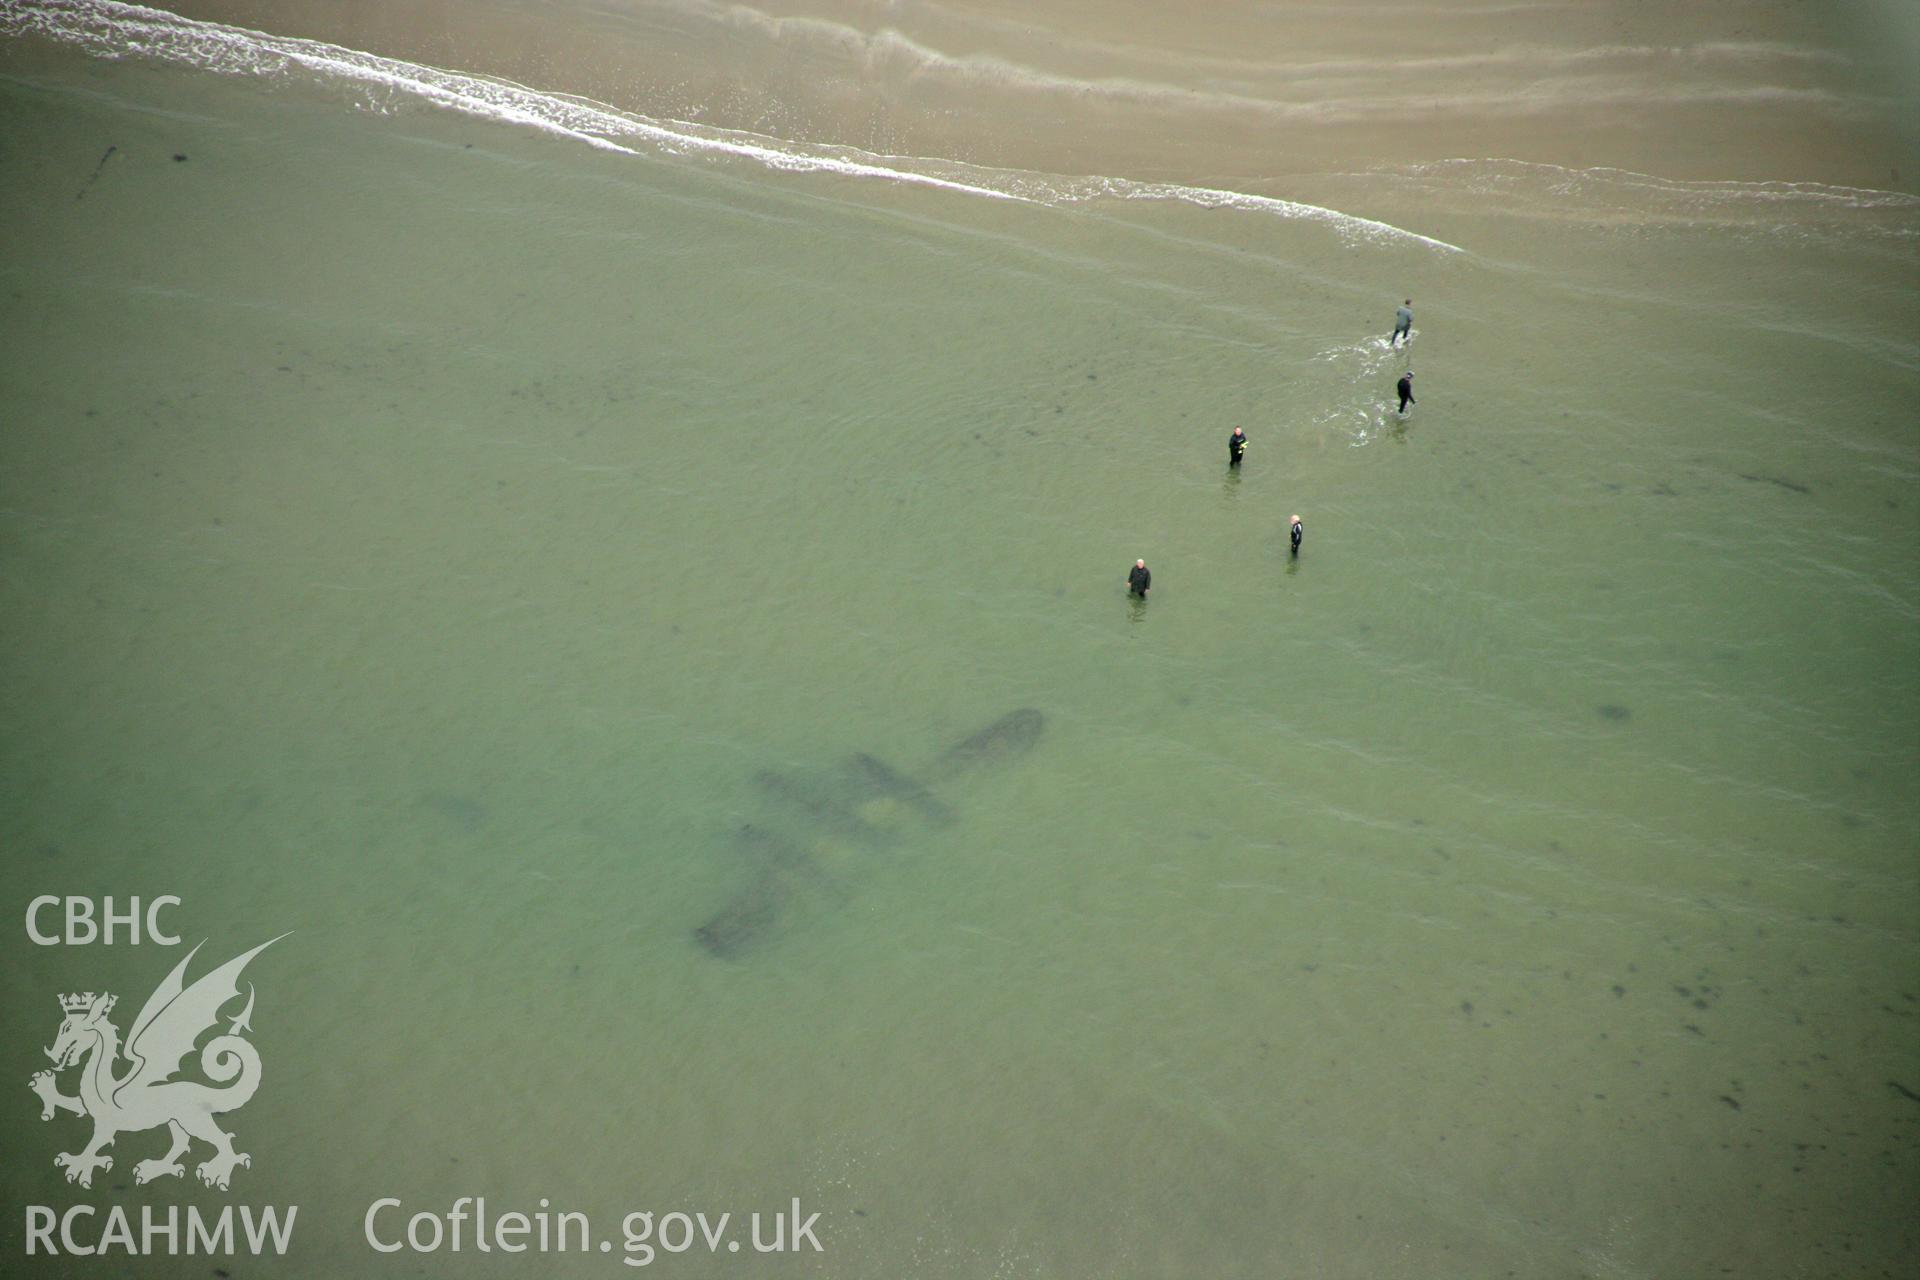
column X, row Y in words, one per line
column 1402, row 324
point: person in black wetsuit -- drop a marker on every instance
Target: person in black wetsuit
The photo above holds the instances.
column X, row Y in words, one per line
column 1294, row 532
column 1236, row 447
column 1405, row 387
column 1139, row 579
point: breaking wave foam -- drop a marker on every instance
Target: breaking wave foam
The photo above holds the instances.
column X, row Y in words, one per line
column 110, row 30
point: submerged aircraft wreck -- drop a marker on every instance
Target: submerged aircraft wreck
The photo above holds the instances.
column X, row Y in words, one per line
column 863, row 805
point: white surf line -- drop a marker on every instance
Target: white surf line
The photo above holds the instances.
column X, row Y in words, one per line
column 112, row 29
column 1213, row 198
column 886, row 45
column 1776, row 188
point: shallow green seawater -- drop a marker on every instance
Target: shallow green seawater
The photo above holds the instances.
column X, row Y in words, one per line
column 420, row 535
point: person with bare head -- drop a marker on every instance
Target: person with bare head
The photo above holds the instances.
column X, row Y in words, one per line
column 1402, row 324
column 1139, row 579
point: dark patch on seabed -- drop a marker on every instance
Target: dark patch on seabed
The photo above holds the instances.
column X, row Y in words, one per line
column 836, row 805
column 95, row 176
column 1782, row 481
column 462, row 811
column 1614, row 711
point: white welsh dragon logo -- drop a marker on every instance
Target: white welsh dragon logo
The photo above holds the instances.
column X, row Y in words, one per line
column 146, row 1096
